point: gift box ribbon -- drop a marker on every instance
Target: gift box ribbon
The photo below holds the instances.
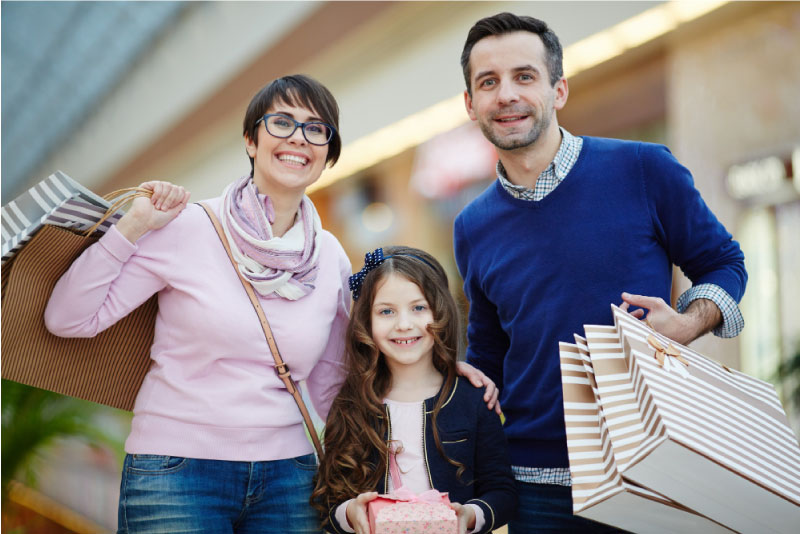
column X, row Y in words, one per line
column 401, row 493
column 430, row 496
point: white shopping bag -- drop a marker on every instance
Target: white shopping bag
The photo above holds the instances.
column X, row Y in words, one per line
column 599, row 491
column 710, row 438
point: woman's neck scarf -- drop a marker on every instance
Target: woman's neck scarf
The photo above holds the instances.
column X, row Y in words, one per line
column 277, row 267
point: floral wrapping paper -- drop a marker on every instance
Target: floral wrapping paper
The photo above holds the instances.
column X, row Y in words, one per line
column 391, row 517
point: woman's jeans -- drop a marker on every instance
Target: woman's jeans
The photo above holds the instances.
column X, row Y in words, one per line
column 169, row 494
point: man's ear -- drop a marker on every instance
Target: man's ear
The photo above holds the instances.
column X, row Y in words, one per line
column 468, row 105
column 562, row 93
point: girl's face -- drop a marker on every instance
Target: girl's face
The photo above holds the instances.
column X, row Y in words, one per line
column 400, row 317
column 287, row 165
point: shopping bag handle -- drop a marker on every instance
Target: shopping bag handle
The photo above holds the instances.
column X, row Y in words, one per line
column 123, row 197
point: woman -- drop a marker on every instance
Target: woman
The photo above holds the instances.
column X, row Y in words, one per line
column 217, row 444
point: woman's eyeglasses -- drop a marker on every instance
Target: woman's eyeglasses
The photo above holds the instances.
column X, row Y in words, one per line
column 282, row 126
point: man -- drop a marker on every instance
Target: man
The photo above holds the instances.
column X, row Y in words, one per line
column 570, row 223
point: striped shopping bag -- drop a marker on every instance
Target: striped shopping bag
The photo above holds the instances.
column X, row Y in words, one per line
column 615, row 389
column 48, row 236
column 710, row 438
column 57, row 200
column 599, row 491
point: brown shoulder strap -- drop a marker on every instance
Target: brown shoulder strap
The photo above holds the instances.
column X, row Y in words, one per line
column 280, row 366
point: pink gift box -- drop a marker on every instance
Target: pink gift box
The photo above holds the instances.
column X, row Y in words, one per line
column 391, row 516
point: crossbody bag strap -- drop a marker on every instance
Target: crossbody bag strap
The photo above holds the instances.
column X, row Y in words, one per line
column 280, row 366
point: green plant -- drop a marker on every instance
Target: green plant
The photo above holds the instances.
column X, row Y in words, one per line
column 33, row 419
column 788, row 372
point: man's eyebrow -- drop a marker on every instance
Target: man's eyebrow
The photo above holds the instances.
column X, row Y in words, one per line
column 483, row 73
column 523, row 68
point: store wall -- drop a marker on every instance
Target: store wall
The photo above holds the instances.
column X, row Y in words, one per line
column 732, row 97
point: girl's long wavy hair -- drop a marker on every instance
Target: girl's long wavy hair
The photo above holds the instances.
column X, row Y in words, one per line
column 356, row 451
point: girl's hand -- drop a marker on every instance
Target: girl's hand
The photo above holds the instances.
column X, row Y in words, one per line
column 479, row 380
column 466, row 517
column 357, row 512
column 145, row 214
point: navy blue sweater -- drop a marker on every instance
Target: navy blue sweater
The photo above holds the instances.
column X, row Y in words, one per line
column 473, row 436
column 536, row 271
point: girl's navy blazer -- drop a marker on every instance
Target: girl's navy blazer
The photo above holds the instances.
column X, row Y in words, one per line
column 472, row 435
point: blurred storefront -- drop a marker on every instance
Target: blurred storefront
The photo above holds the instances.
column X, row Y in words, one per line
column 715, row 81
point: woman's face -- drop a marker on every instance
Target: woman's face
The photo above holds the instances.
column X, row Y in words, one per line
column 288, row 165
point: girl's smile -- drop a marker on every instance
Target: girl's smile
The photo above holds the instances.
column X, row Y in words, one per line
column 407, row 341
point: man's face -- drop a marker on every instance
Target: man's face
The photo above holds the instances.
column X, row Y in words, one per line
column 512, row 98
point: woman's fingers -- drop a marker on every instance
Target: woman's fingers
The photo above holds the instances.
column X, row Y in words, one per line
column 166, row 195
column 175, row 198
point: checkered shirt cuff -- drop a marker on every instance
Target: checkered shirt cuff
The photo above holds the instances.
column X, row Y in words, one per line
column 732, row 320
column 558, row 476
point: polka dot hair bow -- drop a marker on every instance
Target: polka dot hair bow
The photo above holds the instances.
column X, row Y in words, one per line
column 371, row 261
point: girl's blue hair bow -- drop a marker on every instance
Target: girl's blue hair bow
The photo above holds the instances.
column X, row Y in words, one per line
column 371, row 261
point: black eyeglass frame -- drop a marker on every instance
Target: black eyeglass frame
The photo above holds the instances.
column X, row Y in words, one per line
column 301, row 125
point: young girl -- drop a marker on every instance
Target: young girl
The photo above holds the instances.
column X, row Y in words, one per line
column 401, row 393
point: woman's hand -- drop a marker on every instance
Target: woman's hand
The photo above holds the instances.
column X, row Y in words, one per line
column 466, row 517
column 478, row 379
column 357, row 512
column 145, row 214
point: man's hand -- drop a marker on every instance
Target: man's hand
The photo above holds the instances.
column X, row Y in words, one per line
column 479, row 380
column 466, row 517
column 167, row 201
column 357, row 512
column 700, row 317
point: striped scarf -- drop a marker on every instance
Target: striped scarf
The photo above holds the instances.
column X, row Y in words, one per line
column 277, row 267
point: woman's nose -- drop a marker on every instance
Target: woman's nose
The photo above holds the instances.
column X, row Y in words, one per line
column 297, row 136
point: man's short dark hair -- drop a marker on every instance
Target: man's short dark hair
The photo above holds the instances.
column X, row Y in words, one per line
column 295, row 90
column 506, row 23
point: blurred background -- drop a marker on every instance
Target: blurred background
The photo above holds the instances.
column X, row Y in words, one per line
column 116, row 93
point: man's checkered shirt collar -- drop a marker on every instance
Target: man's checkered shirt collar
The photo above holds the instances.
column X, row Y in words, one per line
column 554, row 174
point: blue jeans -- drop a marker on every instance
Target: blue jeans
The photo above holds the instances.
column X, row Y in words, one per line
column 548, row 508
column 169, row 494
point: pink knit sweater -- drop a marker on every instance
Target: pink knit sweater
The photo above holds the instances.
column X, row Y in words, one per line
column 212, row 391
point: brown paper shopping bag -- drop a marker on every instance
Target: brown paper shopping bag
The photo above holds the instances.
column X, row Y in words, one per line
column 599, row 491
column 712, row 439
column 108, row 368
